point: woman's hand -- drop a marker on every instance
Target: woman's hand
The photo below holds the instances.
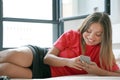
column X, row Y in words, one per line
column 74, row 63
column 91, row 68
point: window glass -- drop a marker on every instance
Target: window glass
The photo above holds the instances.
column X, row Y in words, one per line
column 81, row 7
column 17, row 34
column 34, row 9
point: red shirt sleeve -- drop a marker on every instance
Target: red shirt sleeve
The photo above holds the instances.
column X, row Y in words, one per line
column 65, row 40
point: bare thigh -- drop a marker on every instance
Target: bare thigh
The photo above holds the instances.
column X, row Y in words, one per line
column 14, row 71
column 20, row 56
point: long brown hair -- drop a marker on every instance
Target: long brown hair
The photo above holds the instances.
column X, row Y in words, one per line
column 107, row 58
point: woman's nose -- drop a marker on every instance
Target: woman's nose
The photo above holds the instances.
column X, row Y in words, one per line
column 92, row 36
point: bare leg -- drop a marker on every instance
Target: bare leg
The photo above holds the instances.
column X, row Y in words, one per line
column 20, row 56
column 14, row 62
column 14, row 71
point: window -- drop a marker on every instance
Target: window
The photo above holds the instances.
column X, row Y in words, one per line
column 40, row 22
column 25, row 22
column 73, row 8
column 74, row 11
column 33, row 9
column 20, row 33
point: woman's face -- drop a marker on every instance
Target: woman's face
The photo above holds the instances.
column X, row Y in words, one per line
column 93, row 35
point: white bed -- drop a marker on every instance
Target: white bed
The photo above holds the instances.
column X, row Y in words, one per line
column 78, row 77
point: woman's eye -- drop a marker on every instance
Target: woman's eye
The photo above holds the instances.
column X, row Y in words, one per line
column 98, row 35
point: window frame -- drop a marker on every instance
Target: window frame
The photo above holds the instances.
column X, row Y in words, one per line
column 57, row 27
column 107, row 9
column 57, row 20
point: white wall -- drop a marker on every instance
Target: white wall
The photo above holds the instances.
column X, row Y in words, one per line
column 115, row 11
column 115, row 19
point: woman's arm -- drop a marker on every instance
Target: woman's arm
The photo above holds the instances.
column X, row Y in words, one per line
column 94, row 69
column 52, row 59
column 109, row 73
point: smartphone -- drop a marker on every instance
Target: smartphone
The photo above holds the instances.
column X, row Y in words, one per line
column 85, row 59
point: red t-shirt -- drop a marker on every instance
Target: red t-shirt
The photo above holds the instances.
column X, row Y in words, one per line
column 69, row 46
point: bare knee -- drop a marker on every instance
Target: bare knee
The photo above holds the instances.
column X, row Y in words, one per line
column 4, row 68
column 14, row 71
column 21, row 56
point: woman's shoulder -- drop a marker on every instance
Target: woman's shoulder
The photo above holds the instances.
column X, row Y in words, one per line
column 71, row 31
column 73, row 34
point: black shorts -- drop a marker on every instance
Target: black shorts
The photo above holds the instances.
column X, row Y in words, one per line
column 39, row 69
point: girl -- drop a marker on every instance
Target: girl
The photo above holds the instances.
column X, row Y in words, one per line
column 93, row 39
